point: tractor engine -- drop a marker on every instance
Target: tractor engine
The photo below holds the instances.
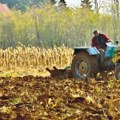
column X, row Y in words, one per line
column 109, row 65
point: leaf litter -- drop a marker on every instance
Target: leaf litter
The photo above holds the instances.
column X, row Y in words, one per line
column 37, row 98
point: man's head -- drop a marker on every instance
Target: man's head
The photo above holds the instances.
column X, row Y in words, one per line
column 96, row 32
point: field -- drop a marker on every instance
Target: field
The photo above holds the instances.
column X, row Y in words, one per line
column 27, row 92
column 31, row 98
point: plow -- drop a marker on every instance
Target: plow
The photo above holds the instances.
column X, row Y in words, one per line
column 87, row 63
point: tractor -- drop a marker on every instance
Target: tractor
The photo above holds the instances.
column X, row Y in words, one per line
column 86, row 61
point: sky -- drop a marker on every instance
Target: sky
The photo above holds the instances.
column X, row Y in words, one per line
column 104, row 5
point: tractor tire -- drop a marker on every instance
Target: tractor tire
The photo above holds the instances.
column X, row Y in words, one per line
column 84, row 66
column 117, row 73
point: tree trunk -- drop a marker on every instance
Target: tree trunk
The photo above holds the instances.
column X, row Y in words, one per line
column 96, row 6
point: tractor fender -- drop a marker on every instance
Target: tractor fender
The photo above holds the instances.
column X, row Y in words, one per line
column 89, row 50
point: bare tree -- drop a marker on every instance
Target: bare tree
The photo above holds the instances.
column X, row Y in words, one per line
column 96, row 6
column 116, row 18
column 117, row 6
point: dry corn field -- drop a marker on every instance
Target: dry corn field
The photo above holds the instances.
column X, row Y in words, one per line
column 32, row 58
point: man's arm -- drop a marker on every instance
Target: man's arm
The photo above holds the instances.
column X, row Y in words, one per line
column 107, row 39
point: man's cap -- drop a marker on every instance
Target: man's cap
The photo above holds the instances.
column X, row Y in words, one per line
column 95, row 31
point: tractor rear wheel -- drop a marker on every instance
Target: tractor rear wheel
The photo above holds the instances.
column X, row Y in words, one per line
column 84, row 66
column 117, row 73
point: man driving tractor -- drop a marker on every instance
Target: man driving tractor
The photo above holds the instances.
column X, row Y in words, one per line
column 99, row 41
column 88, row 62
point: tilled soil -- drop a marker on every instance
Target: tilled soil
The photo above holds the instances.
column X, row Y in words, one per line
column 37, row 98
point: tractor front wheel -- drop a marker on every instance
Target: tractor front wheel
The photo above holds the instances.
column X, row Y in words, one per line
column 117, row 73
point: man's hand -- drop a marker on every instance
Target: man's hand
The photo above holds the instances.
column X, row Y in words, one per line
column 101, row 50
column 110, row 41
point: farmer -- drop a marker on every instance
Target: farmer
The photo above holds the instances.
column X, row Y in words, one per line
column 99, row 41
